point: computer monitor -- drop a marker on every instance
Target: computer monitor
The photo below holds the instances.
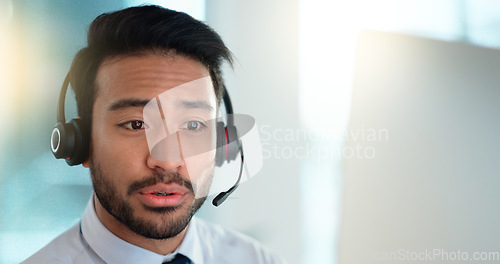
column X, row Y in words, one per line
column 421, row 163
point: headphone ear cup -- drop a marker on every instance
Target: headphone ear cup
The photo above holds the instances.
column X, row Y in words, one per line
column 62, row 140
column 227, row 144
column 69, row 141
column 232, row 149
column 220, row 155
column 81, row 147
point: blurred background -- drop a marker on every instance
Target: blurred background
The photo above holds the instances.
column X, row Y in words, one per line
column 295, row 65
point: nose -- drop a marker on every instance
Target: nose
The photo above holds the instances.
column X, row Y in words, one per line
column 174, row 166
column 167, row 154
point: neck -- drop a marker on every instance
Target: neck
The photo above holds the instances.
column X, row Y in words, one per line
column 159, row 246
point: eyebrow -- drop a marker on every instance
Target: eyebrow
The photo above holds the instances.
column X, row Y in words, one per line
column 125, row 103
column 195, row 105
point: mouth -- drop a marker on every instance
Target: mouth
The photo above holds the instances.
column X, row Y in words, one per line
column 163, row 195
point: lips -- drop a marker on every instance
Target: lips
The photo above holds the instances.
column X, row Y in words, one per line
column 163, row 195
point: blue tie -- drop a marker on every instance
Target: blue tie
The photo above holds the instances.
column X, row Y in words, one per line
column 179, row 259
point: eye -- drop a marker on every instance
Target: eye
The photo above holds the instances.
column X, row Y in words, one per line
column 194, row 126
column 134, row 125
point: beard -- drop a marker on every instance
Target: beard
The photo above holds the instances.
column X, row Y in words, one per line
column 163, row 222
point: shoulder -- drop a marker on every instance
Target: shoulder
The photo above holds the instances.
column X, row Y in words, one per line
column 228, row 245
column 66, row 248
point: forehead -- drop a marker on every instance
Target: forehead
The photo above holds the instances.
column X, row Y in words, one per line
column 145, row 76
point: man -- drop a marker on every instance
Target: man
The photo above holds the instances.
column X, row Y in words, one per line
column 149, row 71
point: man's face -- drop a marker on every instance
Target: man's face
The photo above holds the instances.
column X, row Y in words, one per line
column 152, row 196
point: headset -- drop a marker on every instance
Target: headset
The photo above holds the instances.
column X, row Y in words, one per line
column 71, row 140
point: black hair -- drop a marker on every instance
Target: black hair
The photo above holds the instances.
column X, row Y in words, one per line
column 143, row 30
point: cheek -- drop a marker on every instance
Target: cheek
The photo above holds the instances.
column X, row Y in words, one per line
column 201, row 166
column 118, row 153
column 200, row 170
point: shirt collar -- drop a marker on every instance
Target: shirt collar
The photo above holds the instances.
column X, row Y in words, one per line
column 113, row 249
column 191, row 244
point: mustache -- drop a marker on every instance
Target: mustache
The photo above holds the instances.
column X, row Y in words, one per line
column 158, row 177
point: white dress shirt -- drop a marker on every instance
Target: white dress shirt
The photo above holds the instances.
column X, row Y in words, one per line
column 204, row 243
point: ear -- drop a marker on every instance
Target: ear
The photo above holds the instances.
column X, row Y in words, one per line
column 86, row 163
